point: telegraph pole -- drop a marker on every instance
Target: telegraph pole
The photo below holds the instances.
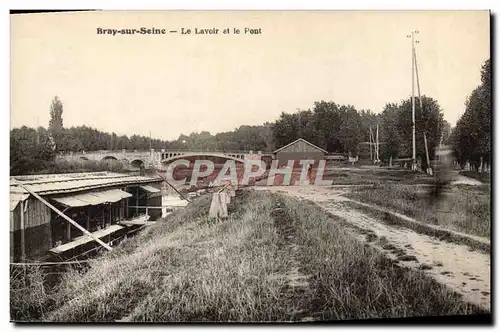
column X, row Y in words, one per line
column 37, row 132
column 429, row 169
column 150, row 146
column 300, row 123
column 414, row 157
column 371, row 158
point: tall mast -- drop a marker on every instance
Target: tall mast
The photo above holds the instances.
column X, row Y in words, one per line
column 418, row 81
column 371, row 157
column 414, row 157
column 37, row 132
column 150, row 145
column 429, row 169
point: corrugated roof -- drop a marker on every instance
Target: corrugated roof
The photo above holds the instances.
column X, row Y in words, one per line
column 73, row 182
column 151, row 189
column 93, row 198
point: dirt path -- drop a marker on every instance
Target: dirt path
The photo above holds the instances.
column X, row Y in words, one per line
column 463, row 270
column 460, row 179
column 297, row 282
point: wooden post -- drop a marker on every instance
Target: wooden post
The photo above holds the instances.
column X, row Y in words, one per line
column 427, row 154
column 371, row 157
column 68, row 232
column 126, row 208
column 137, row 201
column 23, row 252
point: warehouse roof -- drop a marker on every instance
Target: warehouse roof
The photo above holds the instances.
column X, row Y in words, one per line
column 48, row 184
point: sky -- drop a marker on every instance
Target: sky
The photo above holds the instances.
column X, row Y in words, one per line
column 181, row 83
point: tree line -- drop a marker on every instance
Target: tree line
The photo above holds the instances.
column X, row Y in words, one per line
column 471, row 138
column 341, row 128
column 334, row 127
column 331, row 126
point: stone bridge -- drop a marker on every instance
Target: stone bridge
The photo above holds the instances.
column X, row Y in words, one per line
column 154, row 158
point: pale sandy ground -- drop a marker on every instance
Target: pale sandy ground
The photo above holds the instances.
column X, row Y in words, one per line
column 463, row 270
column 460, row 179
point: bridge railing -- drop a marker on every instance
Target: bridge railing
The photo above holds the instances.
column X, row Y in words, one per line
column 130, row 151
column 215, row 151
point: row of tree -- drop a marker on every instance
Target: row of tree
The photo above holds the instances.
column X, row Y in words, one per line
column 334, row 127
column 34, row 150
column 471, row 138
column 340, row 128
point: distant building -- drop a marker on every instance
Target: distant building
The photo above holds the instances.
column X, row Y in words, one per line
column 106, row 204
column 299, row 149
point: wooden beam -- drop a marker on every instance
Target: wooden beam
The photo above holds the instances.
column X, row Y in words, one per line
column 68, row 219
column 164, row 179
column 149, row 207
column 137, row 201
column 68, row 232
column 23, row 248
column 427, row 154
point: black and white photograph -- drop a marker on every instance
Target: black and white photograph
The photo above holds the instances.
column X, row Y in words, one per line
column 250, row 166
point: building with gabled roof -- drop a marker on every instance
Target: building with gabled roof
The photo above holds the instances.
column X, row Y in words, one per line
column 300, row 149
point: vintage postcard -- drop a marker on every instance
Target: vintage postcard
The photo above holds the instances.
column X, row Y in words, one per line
column 250, row 166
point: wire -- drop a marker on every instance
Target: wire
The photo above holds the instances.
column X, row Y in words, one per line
column 52, row 263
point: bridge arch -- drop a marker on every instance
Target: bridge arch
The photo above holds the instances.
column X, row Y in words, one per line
column 137, row 163
column 219, row 160
column 196, row 155
column 109, row 158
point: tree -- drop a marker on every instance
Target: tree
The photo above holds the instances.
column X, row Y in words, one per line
column 389, row 132
column 428, row 119
column 26, row 155
column 472, row 135
column 336, row 128
column 56, row 121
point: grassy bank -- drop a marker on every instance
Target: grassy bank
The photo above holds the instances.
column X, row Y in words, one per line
column 463, row 208
column 191, row 268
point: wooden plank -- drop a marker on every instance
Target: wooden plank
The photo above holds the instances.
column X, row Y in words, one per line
column 65, row 217
column 142, row 220
column 86, row 239
column 23, row 248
